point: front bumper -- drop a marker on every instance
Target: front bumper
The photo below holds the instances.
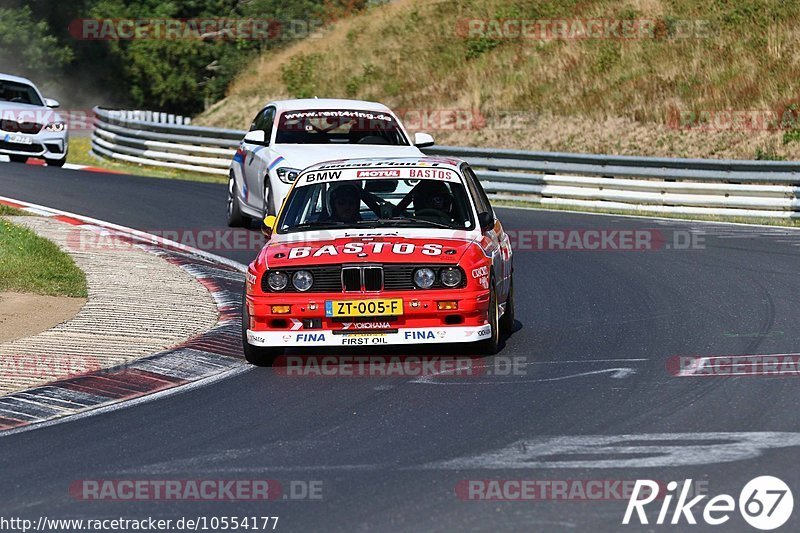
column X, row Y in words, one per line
column 44, row 145
column 320, row 337
column 420, row 323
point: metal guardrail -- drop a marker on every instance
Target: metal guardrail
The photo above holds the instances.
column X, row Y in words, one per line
column 768, row 189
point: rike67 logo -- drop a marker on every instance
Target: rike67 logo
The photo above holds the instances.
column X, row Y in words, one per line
column 765, row 503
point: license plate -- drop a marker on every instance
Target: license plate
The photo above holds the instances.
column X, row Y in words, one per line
column 19, row 139
column 390, row 307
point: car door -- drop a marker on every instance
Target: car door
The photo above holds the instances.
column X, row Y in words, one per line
column 254, row 166
column 495, row 241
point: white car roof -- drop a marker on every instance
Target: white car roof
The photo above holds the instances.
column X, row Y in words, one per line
column 327, row 103
column 9, row 77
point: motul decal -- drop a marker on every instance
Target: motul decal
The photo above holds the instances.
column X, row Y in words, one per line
column 387, row 173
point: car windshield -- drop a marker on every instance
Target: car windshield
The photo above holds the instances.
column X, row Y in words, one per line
column 339, row 126
column 19, row 93
column 372, row 203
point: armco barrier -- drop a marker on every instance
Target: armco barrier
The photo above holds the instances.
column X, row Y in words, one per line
column 639, row 184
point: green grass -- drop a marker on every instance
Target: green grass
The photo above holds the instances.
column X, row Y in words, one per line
column 79, row 155
column 33, row 264
column 704, row 218
column 5, row 210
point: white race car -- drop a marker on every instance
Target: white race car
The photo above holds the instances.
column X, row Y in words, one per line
column 28, row 125
column 289, row 135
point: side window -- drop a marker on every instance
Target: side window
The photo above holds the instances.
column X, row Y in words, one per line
column 476, row 191
column 263, row 121
column 268, row 119
column 255, row 124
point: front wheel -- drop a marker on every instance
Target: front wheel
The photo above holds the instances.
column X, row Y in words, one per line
column 236, row 219
column 490, row 345
column 269, row 208
column 256, row 355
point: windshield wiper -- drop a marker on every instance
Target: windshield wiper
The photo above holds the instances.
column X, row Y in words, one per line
column 416, row 221
column 322, row 224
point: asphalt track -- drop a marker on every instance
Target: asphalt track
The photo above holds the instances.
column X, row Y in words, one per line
column 595, row 331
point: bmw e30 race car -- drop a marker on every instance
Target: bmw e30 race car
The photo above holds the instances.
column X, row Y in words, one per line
column 371, row 252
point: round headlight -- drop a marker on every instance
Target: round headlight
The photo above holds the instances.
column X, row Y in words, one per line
column 302, row 280
column 277, row 281
column 424, row 278
column 451, row 277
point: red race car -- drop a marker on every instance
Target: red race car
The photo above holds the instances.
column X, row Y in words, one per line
column 371, row 252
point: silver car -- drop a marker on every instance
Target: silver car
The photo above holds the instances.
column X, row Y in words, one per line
column 28, row 125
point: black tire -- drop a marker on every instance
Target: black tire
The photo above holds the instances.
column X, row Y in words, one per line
column 269, row 209
column 56, row 162
column 236, row 219
column 18, row 158
column 507, row 320
column 490, row 345
column 256, row 355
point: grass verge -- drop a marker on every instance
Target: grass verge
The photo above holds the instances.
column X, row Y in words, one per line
column 79, row 155
column 30, row 263
column 6, row 210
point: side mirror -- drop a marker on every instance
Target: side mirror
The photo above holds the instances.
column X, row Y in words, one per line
column 486, row 220
column 255, row 137
column 268, row 225
column 49, row 102
column 421, row 140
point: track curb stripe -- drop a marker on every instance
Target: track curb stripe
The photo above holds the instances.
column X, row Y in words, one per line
column 212, row 354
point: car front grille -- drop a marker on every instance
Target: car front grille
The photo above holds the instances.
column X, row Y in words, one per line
column 348, row 279
column 12, row 126
column 16, row 147
column 351, row 280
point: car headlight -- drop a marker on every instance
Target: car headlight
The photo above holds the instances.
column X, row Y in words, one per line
column 287, row 175
column 277, row 281
column 302, row 280
column 56, row 127
column 424, row 278
column 451, row 277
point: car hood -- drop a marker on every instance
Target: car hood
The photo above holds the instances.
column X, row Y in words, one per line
column 368, row 246
column 301, row 156
column 27, row 112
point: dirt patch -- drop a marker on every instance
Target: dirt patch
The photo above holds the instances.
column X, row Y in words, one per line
column 22, row 315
